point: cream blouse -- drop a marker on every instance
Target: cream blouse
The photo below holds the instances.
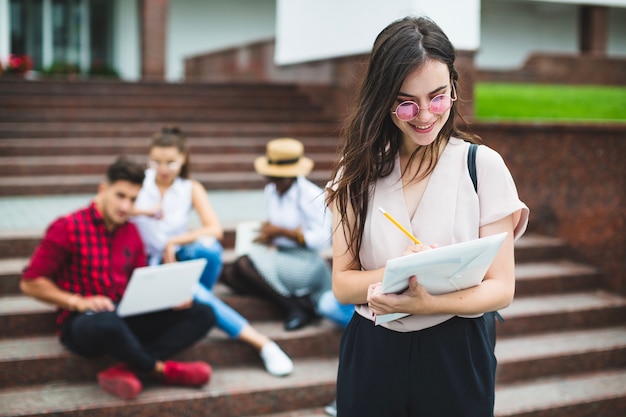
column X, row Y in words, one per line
column 176, row 206
column 450, row 211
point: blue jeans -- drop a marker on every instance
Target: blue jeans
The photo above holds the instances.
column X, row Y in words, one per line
column 330, row 308
column 228, row 319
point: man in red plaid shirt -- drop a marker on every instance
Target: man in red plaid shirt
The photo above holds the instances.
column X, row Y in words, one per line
column 83, row 264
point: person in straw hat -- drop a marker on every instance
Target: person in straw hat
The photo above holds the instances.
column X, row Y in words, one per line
column 285, row 266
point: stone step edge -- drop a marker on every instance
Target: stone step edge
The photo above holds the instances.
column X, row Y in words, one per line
column 511, row 400
column 316, row 376
column 509, row 350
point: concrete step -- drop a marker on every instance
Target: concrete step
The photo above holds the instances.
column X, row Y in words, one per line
column 599, row 394
column 560, row 312
column 560, row 353
column 130, row 89
column 23, row 316
column 79, row 184
column 232, row 391
column 278, row 99
column 12, row 130
column 40, row 359
column 96, row 164
column 224, row 145
column 158, row 115
column 585, row 395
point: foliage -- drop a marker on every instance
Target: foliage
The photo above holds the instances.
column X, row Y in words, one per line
column 537, row 102
column 99, row 69
column 62, row 68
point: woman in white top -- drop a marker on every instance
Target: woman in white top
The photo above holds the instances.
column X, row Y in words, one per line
column 287, row 267
column 403, row 152
column 163, row 209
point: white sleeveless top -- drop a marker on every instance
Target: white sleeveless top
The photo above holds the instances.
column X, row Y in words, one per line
column 450, row 212
column 176, row 206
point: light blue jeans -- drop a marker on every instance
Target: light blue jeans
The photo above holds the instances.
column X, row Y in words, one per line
column 228, row 319
column 330, row 308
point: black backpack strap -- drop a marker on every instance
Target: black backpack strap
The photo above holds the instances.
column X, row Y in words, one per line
column 471, row 164
column 491, row 316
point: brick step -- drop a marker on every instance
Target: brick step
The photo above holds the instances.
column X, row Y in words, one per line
column 585, row 395
column 278, row 99
column 560, row 353
column 560, row 275
column 554, row 277
column 598, row 394
column 41, row 359
column 117, row 145
column 569, row 349
column 23, row 316
column 145, row 129
column 170, row 115
column 561, row 312
column 96, row 164
column 233, row 391
column 123, row 88
column 80, row 184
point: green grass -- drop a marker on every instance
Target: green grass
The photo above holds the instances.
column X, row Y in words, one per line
column 538, row 102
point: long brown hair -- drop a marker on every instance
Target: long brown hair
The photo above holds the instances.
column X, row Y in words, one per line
column 370, row 138
column 172, row 136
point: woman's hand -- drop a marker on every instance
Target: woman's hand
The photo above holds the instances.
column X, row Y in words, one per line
column 169, row 253
column 414, row 300
column 418, row 248
column 267, row 233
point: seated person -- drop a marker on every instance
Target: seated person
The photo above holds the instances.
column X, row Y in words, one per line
column 163, row 211
column 83, row 264
column 287, row 268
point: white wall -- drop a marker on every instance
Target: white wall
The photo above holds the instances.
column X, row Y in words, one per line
column 5, row 32
column 200, row 26
column 311, row 30
column 513, row 29
column 127, row 39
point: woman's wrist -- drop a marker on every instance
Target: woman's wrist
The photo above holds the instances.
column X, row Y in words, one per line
column 300, row 237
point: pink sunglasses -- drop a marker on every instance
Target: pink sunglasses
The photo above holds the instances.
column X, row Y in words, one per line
column 408, row 110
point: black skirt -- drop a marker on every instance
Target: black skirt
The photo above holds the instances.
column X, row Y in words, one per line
column 447, row 370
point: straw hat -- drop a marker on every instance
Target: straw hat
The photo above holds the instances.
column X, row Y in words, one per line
column 284, row 158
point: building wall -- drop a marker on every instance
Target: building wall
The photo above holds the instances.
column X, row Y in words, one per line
column 126, row 50
column 198, row 26
column 308, row 31
column 513, row 30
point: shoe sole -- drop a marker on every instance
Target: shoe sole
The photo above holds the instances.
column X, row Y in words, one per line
column 122, row 389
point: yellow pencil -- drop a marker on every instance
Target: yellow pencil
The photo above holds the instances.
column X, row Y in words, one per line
column 399, row 226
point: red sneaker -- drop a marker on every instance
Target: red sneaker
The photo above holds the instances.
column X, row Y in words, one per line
column 120, row 381
column 190, row 374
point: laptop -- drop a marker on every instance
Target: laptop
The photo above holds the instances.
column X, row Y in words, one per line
column 159, row 287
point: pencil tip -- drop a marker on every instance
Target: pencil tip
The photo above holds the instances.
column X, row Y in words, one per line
column 381, row 210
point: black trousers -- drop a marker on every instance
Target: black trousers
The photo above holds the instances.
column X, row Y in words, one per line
column 446, row 370
column 139, row 341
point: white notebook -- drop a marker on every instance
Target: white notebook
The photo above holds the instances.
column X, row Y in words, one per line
column 160, row 287
column 442, row 270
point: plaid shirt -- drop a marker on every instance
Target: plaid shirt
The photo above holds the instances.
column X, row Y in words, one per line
column 81, row 256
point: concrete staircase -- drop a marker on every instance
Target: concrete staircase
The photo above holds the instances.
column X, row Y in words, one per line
column 57, row 137
column 561, row 350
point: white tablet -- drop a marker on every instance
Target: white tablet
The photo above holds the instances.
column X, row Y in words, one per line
column 160, row 287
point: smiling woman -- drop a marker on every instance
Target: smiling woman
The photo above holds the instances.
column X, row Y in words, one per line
column 549, row 102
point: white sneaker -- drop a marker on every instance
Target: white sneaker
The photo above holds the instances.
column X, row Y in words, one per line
column 275, row 360
column 331, row 409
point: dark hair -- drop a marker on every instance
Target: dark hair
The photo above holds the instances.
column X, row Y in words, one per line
column 125, row 169
column 172, row 136
column 371, row 140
